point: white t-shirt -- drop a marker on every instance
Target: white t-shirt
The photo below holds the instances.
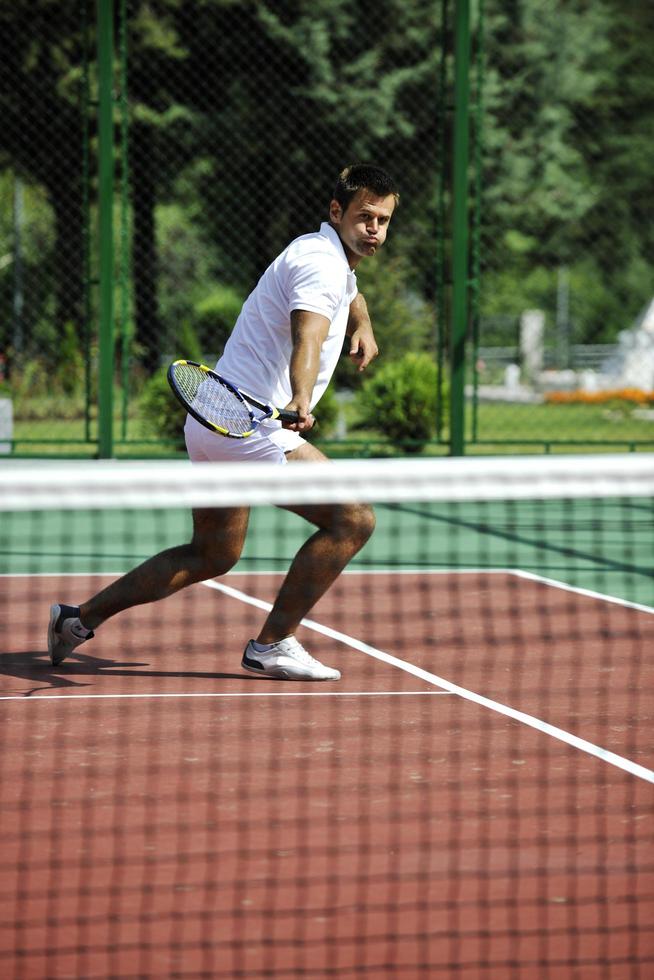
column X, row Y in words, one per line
column 312, row 274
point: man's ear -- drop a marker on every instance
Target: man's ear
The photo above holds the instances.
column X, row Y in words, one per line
column 335, row 212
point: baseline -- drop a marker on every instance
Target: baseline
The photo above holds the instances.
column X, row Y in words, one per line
column 518, row 572
column 223, row 694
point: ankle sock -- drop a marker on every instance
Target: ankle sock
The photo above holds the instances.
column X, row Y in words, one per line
column 262, row 647
column 72, row 612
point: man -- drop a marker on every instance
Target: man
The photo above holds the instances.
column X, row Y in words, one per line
column 283, row 349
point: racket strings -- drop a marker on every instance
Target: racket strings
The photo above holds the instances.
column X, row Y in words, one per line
column 213, row 401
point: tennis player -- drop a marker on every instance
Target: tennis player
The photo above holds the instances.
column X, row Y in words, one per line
column 283, row 350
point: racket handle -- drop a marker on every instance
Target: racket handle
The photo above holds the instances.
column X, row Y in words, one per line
column 288, row 416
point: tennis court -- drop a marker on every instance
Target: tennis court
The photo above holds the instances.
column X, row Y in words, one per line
column 472, row 799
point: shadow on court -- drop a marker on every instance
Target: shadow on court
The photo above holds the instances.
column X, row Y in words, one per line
column 34, row 665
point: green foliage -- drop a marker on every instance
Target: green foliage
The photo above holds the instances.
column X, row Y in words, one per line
column 161, row 413
column 596, row 312
column 37, row 249
column 186, row 260
column 188, row 344
column 213, row 319
column 69, row 373
column 568, row 111
column 402, row 320
column 29, row 380
column 51, row 385
column 163, row 417
column 326, row 413
column 401, row 401
column 219, row 184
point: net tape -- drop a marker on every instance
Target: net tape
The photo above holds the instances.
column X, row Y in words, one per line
column 112, row 483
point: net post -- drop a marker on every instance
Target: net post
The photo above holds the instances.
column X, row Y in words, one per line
column 106, row 249
column 460, row 226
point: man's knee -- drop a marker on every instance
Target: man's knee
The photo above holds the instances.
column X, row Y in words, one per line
column 367, row 521
column 212, row 558
column 358, row 522
column 218, row 540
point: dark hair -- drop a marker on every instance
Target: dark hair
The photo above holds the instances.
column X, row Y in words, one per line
column 360, row 176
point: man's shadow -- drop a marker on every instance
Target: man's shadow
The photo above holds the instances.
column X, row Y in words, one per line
column 35, row 666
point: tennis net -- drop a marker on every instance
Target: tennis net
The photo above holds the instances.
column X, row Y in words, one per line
column 471, row 799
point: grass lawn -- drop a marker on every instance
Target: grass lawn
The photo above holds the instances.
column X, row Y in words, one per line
column 501, row 428
column 575, row 423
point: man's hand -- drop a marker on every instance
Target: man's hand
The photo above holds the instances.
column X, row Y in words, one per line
column 306, row 420
column 363, row 347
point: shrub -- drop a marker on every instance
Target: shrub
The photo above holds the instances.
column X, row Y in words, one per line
column 161, row 413
column 401, row 319
column 213, row 319
column 69, row 373
column 326, row 412
column 188, row 345
column 163, row 417
column 400, row 401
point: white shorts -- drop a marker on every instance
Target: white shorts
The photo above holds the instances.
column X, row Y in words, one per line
column 268, row 444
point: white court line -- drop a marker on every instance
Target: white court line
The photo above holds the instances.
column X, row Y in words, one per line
column 518, row 572
column 533, row 577
column 604, row 754
column 542, row 726
column 222, row 694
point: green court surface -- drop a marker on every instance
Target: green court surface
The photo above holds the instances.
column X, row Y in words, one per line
column 603, row 545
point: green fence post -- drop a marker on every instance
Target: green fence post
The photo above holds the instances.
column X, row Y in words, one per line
column 85, row 108
column 124, row 263
column 459, row 324
column 475, row 280
column 105, row 204
column 440, row 250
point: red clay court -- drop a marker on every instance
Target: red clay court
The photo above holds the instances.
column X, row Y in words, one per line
column 470, row 800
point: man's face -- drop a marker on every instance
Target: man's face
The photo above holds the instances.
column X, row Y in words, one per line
column 362, row 227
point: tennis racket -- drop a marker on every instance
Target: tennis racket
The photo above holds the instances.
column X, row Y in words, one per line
column 218, row 404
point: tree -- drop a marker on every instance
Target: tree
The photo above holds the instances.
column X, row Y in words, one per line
column 41, row 136
column 566, row 178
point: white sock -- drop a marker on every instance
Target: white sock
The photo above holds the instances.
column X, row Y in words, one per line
column 262, row 647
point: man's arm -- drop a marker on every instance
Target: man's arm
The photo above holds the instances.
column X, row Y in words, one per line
column 363, row 346
column 308, row 333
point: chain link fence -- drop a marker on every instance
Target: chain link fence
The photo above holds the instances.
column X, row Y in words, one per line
column 241, row 117
column 563, row 341
column 231, row 122
column 46, row 349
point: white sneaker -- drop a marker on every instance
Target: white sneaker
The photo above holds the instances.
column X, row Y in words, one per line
column 287, row 660
column 65, row 632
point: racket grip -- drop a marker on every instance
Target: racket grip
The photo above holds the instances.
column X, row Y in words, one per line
column 288, row 416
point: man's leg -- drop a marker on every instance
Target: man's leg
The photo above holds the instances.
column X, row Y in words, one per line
column 218, row 536
column 342, row 532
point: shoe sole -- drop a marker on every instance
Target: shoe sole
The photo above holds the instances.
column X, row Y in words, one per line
column 55, row 610
column 282, row 675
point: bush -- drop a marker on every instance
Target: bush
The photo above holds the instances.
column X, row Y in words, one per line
column 188, row 344
column 163, row 416
column 400, row 401
column 188, row 261
column 161, row 413
column 213, row 319
column 326, row 412
column 69, row 374
column 401, row 319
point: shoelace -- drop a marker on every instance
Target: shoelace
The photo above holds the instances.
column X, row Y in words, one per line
column 296, row 650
